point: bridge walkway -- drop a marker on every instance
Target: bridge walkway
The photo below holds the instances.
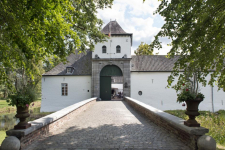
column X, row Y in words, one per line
column 109, row 125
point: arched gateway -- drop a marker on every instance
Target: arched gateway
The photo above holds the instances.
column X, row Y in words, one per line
column 105, row 80
column 112, row 59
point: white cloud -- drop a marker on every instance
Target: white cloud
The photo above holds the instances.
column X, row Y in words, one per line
column 136, row 17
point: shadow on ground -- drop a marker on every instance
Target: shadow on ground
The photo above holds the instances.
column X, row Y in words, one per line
column 120, row 131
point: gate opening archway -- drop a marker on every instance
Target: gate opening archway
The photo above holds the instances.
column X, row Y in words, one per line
column 106, row 75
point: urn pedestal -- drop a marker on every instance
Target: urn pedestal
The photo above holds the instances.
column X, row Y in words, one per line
column 192, row 112
column 22, row 114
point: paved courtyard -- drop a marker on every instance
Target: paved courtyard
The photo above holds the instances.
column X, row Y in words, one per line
column 109, row 125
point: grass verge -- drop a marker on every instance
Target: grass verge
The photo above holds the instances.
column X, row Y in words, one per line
column 33, row 116
column 5, row 108
column 215, row 122
column 2, row 136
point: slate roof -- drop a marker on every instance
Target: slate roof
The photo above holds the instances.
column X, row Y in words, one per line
column 115, row 28
column 82, row 64
column 152, row 63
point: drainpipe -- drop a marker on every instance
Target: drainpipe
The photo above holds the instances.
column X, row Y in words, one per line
column 212, row 99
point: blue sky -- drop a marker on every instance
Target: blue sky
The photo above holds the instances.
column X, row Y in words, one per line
column 136, row 17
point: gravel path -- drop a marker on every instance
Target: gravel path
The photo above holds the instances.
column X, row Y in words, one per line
column 109, row 125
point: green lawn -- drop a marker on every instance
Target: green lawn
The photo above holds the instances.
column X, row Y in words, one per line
column 215, row 122
column 2, row 136
column 3, row 104
column 4, row 107
column 33, row 116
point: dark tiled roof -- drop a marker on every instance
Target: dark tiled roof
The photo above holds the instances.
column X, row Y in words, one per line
column 152, row 63
column 115, row 28
column 82, row 64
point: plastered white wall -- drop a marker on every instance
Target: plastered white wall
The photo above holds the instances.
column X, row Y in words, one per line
column 123, row 41
column 79, row 88
column 154, row 92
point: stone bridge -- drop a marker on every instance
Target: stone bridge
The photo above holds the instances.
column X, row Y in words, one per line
column 92, row 124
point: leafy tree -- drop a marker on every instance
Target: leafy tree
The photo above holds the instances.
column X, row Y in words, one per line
column 3, row 91
column 19, row 79
column 32, row 30
column 51, row 62
column 144, row 49
column 197, row 32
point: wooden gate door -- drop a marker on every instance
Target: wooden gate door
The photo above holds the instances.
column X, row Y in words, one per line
column 105, row 80
column 105, row 87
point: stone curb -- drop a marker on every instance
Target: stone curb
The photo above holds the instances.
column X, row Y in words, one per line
column 39, row 123
column 178, row 122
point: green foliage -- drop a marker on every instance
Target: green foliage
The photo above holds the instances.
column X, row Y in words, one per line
column 185, row 95
column 3, row 104
column 187, row 87
column 178, row 113
column 2, row 136
column 144, row 49
column 10, row 121
column 51, row 62
column 213, row 121
column 32, row 31
column 3, row 91
column 196, row 29
column 200, row 95
column 24, row 95
column 23, row 88
column 5, row 108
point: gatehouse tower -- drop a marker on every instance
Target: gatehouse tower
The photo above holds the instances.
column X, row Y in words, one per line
column 111, row 62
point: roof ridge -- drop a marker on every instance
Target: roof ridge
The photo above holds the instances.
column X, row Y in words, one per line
column 113, row 27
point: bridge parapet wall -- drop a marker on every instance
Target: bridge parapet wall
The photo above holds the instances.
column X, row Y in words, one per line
column 47, row 124
column 173, row 124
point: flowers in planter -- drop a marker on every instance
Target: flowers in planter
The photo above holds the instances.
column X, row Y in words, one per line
column 24, row 94
column 186, row 93
column 188, row 88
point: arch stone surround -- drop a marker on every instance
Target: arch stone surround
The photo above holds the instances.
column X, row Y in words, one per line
column 98, row 64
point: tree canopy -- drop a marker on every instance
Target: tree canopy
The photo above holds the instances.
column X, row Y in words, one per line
column 143, row 49
column 31, row 31
column 197, row 32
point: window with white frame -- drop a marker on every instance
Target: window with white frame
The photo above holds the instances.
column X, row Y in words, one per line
column 64, row 89
column 68, row 70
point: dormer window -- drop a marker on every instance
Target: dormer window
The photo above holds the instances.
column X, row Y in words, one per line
column 118, row 49
column 104, row 49
column 69, row 70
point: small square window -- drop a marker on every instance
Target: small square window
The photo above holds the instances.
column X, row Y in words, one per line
column 69, row 70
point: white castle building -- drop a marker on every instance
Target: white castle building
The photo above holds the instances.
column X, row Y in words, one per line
column 111, row 67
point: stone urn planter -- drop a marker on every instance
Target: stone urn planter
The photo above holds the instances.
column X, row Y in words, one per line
column 192, row 112
column 22, row 114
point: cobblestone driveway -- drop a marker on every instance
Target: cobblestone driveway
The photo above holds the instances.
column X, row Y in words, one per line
column 109, row 125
